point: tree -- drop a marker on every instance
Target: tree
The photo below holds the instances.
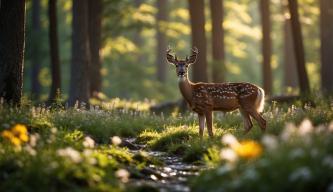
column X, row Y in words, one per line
column 289, row 60
column 95, row 25
column 12, row 34
column 217, row 11
column 54, row 50
column 326, row 37
column 161, row 18
column 298, row 47
column 79, row 81
column 35, row 60
column 197, row 17
column 266, row 45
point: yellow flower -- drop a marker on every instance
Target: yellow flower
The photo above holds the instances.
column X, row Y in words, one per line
column 17, row 135
column 19, row 129
column 248, row 149
column 7, row 134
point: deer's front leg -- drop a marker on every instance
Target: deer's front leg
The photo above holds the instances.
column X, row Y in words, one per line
column 201, row 124
column 209, row 119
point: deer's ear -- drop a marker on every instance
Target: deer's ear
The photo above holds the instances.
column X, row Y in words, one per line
column 170, row 58
column 190, row 60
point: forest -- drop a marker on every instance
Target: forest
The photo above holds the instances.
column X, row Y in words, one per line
column 166, row 95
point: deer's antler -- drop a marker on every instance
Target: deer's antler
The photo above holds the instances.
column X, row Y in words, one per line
column 170, row 58
column 193, row 57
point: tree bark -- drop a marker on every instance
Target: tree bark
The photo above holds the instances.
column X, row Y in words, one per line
column 54, row 51
column 79, row 81
column 217, row 14
column 298, row 47
column 35, row 60
column 95, row 25
column 266, row 45
column 289, row 60
column 161, row 18
column 197, row 17
column 326, row 37
column 12, row 34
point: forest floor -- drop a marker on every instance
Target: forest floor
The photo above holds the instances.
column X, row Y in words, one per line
column 121, row 146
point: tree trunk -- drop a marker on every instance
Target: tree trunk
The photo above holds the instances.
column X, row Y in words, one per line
column 289, row 60
column 95, row 25
column 54, row 50
column 161, row 18
column 12, row 34
column 326, row 34
column 35, row 60
column 217, row 11
column 266, row 46
column 79, row 81
column 197, row 17
column 298, row 47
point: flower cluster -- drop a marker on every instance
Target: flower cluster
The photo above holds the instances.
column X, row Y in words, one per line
column 17, row 135
column 247, row 149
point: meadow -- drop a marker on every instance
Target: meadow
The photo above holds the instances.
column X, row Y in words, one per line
column 76, row 149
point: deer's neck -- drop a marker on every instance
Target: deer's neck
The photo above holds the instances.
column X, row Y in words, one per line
column 185, row 88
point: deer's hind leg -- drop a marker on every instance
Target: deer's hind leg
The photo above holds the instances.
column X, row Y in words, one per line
column 261, row 121
column 247, row 120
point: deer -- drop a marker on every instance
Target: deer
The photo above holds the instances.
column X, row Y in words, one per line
column 204, row 98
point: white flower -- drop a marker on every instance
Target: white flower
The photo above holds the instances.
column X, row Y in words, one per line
column 228, row 154
column 270, row 142
column 328, row 161
column 116, row 140
column 288, row 130
column 330, row 127
column 296, row 153
column 70, row 153
column 88, row 142
column 251, row 174
column 33, row 139
column 224, row 169
column 229, row 139
column 302, row 173
column 305, row 127
column 123, row 175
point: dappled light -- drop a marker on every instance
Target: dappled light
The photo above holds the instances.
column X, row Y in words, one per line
column 166, row 95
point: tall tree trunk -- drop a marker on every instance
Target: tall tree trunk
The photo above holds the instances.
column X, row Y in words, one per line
column 326, row 33
column 12, row 33
column 79, row 81
column 217, row 14
column 54, row 50
column 95, row 25
column 299, row 47
column 161, row 18
column 289, row 60
column 197, row 16
column 137, row 37
column 35, row 60
column 266, row 45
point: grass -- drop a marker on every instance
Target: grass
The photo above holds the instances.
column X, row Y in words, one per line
column 61, row 158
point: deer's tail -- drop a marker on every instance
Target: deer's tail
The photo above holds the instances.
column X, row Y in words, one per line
column 260, row 101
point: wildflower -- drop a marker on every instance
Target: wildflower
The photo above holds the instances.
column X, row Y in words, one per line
column 296, row 153
column 248, row 149
column 305, row 127
column 302, row 173
column 116, row 140
column 88, row 142
column 270, row 142
column 123, row 175
column 229, row 139
column 288, row 130
column 16, row 135
column 71, row 153
column 228, row 154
